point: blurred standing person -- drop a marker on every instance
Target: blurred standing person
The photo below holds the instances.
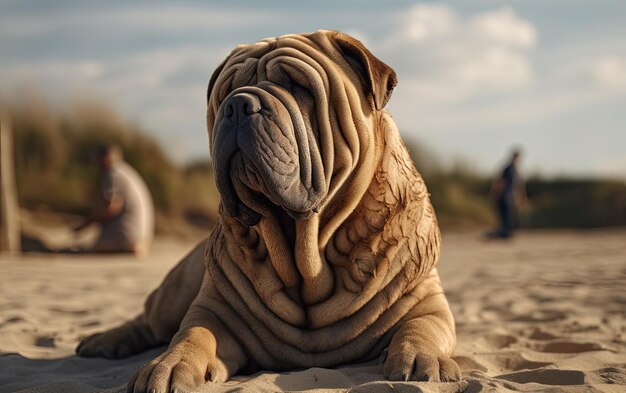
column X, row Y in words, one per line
column 508, row 191
column 126, row 211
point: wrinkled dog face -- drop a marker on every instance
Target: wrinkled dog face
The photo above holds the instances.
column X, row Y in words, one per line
column 282, row 128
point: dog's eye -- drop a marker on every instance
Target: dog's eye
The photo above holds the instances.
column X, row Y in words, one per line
column 293, row 85
column 296, row 87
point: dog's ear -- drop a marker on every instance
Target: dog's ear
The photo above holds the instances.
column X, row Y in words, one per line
column 214, row 77
column 377, row 76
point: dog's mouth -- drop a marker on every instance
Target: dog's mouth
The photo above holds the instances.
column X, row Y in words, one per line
column 287, row 224
column 284, row 218
column 244, row 197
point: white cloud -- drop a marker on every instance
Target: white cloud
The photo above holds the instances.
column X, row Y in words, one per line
column 505, row 27
column 426, row 21
column 472, row 83
column 165, row 89
column 62, row 78
column 609, row 72
column 494, row 70
column 139, row 74
column 603, row 74
column 151, row 69
column 520, row 110
column 446, row 57
column 170, row 19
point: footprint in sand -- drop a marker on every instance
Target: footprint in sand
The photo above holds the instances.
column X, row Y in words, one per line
column 546, row 377
column 36, row 341
column 89, row 324
column 559, row 346
column 46, row 342
column 498, row 341
column 547, row 342
column 539, row 334
column 519, row 361
column 609, row 375
column 510, row 361
column 468, row 364
column 12, row 320
column 541, row 316
column 61, row 310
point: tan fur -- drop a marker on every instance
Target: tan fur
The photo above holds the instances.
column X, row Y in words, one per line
column 360, row 279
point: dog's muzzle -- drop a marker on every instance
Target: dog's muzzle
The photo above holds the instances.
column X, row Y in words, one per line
column 264, row 153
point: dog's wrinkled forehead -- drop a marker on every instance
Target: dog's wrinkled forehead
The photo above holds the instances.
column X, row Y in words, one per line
column 309, row 60
column 281, row 61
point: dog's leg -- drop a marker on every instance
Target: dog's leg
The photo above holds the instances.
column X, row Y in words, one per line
column 163, row 311
column 421, row 348
column 125, row 340
column 202, row 351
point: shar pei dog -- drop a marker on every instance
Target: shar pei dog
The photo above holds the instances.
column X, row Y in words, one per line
column 326, row 244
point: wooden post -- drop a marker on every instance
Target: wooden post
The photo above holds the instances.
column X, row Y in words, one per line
column 10, row 241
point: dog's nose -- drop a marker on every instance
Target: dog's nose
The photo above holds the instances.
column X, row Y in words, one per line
column 242, row 105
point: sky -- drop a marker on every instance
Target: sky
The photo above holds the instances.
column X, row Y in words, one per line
column 475, row 77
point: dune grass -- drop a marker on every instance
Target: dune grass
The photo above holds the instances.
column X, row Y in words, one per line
column 56, row 169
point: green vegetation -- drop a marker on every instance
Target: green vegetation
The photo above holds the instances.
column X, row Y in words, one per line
column 56, row 171
column 460, row 198
column 577, row 203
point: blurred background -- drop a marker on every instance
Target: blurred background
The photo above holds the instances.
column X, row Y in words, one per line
column 475, row 79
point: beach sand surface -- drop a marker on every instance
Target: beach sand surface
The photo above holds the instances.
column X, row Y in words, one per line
column 545, row 311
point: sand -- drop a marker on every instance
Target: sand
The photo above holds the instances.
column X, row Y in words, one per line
column 543, row 312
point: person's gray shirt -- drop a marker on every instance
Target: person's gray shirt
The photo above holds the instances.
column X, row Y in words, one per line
column 134, row 225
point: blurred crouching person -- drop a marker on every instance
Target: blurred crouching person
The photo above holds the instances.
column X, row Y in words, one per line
column 126, row 211
column 508, row 192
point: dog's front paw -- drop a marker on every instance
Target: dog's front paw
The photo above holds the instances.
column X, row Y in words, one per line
column 410, row 363
column 177, row 372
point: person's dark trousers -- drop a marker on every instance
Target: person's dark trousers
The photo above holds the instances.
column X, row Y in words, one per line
column 505, row 209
